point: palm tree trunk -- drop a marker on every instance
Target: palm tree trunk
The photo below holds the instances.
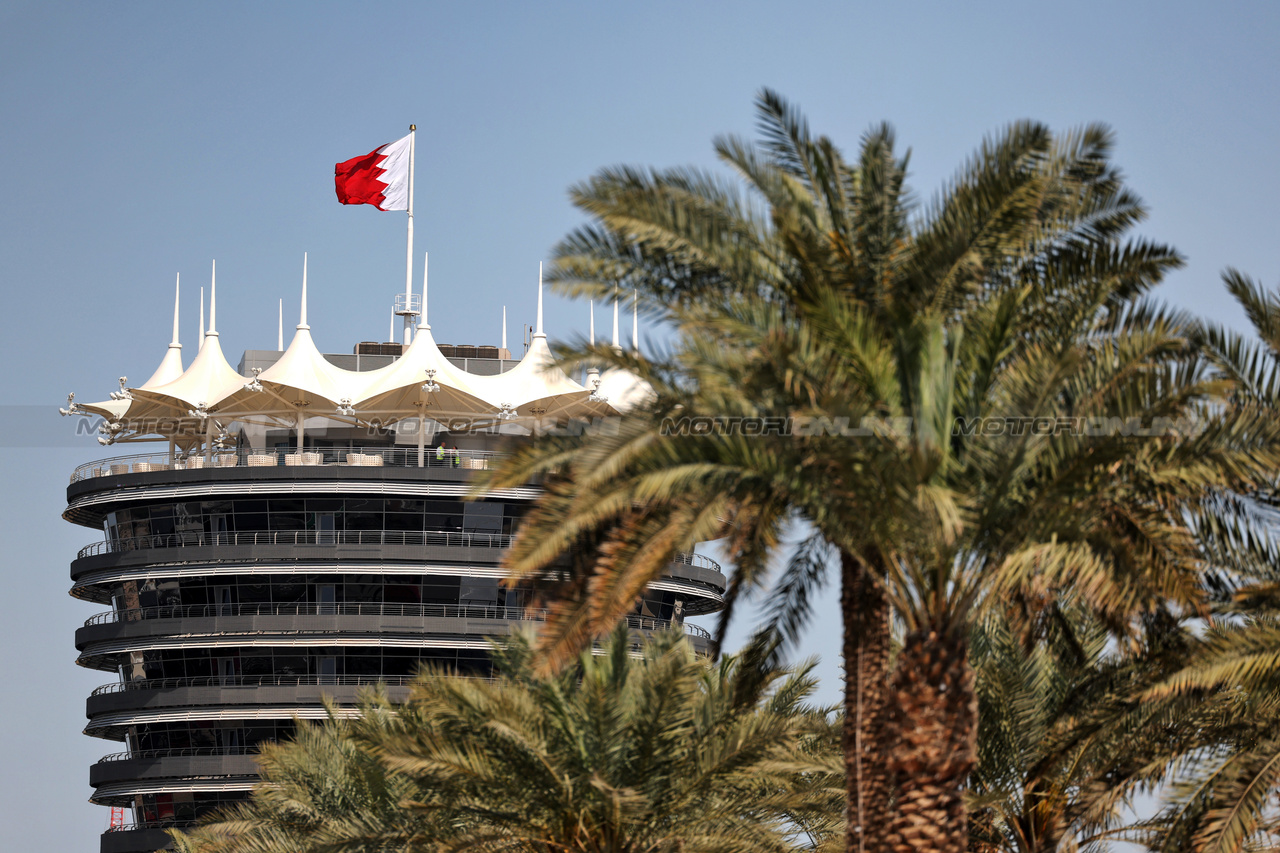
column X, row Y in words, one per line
column 933, row 743
column 866, row 707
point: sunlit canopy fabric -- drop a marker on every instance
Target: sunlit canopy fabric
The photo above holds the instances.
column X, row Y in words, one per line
column 206, row 383
column 304, row 382
column 398, row 386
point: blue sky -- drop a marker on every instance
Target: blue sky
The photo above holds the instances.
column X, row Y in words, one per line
column 146, row 139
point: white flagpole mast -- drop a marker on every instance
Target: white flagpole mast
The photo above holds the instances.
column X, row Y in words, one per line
column 408, row 260
column 425, row 323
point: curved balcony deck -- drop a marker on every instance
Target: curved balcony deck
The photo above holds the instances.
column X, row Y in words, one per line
column 111, row 707
column 139, row 837
column 280, row 546
column 377, row 609
column 111, row 560
column 91, row 495
column 122, row 793
column 106, row 637
column 114, row 725
column 206, row 763
column 353, row 457
column 293, row 538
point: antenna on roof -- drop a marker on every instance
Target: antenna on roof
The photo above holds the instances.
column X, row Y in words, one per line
column 407, row 332
column 538, row 333
column 391, row 329
column 213, row 303
column 302, row 316
column 407, row 305
column 174, row 342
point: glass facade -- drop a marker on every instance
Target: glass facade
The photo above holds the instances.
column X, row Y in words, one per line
column 329, row 594
column 246, row 515
column 183, row 807
column 250, row 665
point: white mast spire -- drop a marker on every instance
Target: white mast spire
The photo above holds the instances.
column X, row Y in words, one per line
column 538, row 333
column 170, row 367
column 280, row 329
column 213, row 303
column 391, row 329
column 424, row 323
column 302, row 317
column 615, row 316
column 174, row 343
column 635, row 321
column 408, row 258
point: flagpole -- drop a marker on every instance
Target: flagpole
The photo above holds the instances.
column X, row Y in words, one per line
column 408, row 260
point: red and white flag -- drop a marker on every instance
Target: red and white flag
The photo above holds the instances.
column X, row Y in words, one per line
column 379, row 178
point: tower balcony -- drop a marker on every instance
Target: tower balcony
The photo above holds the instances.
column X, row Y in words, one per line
column 697, row 576
column 106, row 639
column 349, row 457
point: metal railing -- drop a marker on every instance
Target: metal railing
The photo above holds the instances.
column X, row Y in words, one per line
column 446, row 538
column 700, row 560
column 254, row 681
column 152, row 824
column 390, row 457
column 417, row 611
column 364, row 608
column 180, row 752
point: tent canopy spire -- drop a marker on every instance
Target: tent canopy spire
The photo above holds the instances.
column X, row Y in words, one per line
column 424, row 323
column 538, row 333
column 174, row 343
column 302, row 317
column 213, row 303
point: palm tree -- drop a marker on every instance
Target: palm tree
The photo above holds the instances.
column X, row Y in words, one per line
column 664, row 752
column 1224, row 774
column 1064, row 736
column 320, row 791
column 1012, row 300
column 633, row 749
column 1225, row 770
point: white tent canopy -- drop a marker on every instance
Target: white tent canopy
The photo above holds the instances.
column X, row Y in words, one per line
column 302, row 384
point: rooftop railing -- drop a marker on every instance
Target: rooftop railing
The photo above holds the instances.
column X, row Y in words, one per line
column 702, row 561
column 416, row 611
column 445, row 538
column 180, row 752
column 151, row 824
column 372, row 457
column 254, row 681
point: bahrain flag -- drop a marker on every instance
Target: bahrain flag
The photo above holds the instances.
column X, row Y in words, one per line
column 379, row 178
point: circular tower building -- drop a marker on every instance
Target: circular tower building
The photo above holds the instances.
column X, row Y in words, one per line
column 300, row 532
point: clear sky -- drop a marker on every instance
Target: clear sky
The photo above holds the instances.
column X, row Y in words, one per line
column 142, row 140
